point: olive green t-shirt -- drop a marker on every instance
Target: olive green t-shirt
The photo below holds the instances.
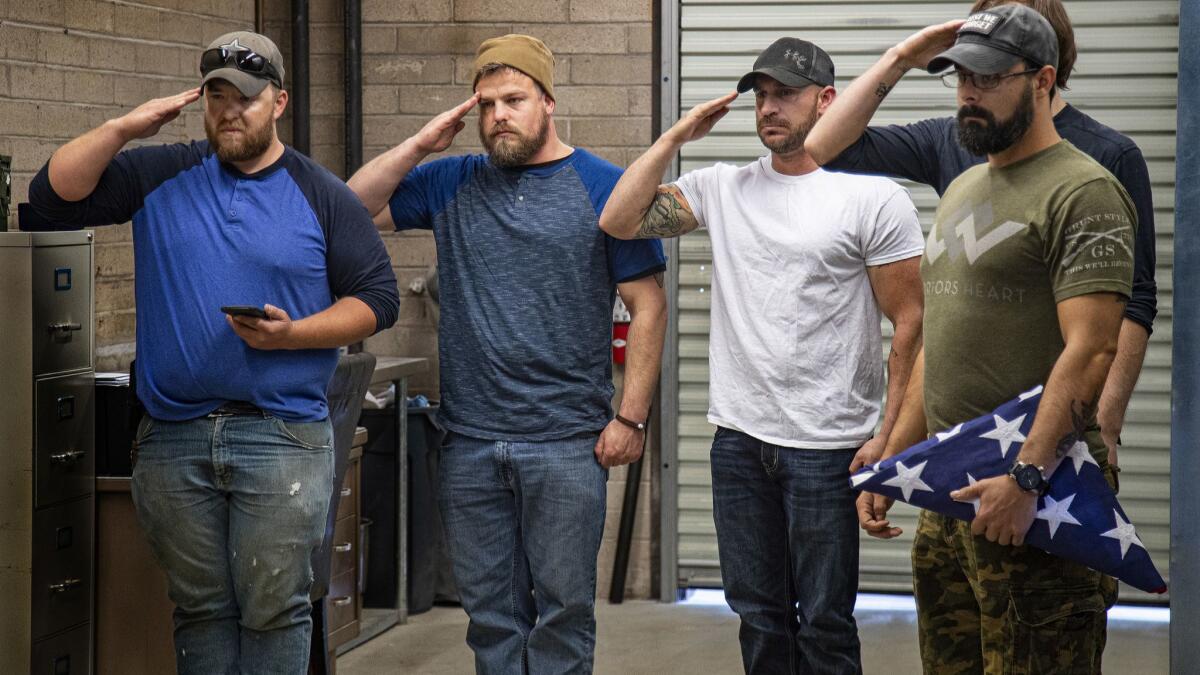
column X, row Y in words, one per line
column 1006, row 246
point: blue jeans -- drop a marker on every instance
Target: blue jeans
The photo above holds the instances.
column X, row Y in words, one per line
column 788, row 542
column 523, row 523
column 233, row 508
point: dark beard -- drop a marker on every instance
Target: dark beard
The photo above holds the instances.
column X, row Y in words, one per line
column 794, row 140
column 255, row 142
column 518, row 152
column 994, row 137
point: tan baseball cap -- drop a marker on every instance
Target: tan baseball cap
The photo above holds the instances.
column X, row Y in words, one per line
column 523, row 52
column 248, row 61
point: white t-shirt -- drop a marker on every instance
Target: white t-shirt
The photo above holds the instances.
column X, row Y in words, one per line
column 795, row 346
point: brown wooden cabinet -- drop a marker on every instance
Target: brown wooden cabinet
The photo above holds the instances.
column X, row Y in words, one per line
column 344, row 603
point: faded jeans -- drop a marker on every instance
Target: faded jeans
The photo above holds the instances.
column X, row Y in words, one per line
column 523, row 521
column 233, row 508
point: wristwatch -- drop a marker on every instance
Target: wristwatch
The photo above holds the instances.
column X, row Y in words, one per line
column 1029, row 477
column 640, row 426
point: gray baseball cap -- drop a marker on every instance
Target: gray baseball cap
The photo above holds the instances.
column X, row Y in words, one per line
column 246, row 60
column 994, row 40
column 793, row 62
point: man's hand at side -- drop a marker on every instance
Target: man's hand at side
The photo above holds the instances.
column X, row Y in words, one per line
column 619, row 444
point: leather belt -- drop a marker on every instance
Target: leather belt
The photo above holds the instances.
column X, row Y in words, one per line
column 235, row 408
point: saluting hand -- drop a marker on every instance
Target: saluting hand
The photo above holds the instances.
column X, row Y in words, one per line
column 439, row 133
column 145, row 120
column 920, row 48
column 700, row 120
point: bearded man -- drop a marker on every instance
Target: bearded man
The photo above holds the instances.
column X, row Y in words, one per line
column 804, row 263
column 527, row 285
column 233, row 472
column 1028, row 269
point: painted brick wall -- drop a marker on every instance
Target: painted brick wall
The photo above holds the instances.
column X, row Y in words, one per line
column 66, row 66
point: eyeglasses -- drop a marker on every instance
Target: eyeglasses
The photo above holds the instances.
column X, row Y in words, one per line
column 957, row 78
column 242, row 59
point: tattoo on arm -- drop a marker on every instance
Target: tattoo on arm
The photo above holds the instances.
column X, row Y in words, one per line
column 658, row 278
column 667, row 216
column 882, row 90
column 1082, row 413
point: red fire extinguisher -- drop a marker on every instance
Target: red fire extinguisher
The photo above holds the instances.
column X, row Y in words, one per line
column 620, row 331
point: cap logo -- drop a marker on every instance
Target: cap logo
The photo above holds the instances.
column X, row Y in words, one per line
column 983, row 23
column 794, row 55
column 235, row 46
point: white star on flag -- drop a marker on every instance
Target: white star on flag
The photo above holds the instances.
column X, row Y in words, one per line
column 1006, row 432
column 1124, row 533
column 973, row 502
column 1080, row 454
column 944, row 436
column 908, row 479
column 1056, row 513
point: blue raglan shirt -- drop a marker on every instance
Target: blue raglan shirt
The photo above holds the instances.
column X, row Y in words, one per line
column 928, row 152
column 206, row 235
column 527, row 282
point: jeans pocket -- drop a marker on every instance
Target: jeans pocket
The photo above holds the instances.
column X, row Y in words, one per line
column 308, row 435
column 1055, row 630
column 145, row 425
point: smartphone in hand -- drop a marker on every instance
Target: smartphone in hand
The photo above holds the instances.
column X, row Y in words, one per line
column 245, row 310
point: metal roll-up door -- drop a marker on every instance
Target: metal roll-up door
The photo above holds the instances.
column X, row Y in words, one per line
column 1125, row 77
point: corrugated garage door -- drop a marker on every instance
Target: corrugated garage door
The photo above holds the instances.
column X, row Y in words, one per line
column 1125, row 77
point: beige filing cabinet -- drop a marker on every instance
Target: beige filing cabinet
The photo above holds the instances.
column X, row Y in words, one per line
column 47, row 429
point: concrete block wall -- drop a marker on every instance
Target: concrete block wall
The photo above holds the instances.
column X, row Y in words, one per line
column 68, row 65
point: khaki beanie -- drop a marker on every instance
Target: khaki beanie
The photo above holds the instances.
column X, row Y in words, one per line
column 523, row 52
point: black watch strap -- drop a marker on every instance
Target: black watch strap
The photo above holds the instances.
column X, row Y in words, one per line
column 640, row 426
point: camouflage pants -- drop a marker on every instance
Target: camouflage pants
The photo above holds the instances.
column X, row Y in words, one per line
column 1004, row 610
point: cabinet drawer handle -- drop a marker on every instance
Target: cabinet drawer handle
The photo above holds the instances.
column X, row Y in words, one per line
column 342, row 601
column 68, row 457
column 63, row 327
column 346, row 492
column 65, row 585
column 343, row 548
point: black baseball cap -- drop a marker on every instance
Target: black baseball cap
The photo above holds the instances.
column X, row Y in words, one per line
column 995, row 40
column 793, row 62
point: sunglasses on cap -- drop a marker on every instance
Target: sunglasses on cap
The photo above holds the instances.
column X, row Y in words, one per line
column 242, row 59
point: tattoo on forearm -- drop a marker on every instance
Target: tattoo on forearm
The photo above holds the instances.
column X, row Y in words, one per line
column 664, row 218
column 1082, row 413
column 882, row 90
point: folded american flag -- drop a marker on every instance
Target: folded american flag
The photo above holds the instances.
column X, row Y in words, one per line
column 1078, row 518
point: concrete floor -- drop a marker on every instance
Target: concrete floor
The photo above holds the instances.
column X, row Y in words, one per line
column 659, row 639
